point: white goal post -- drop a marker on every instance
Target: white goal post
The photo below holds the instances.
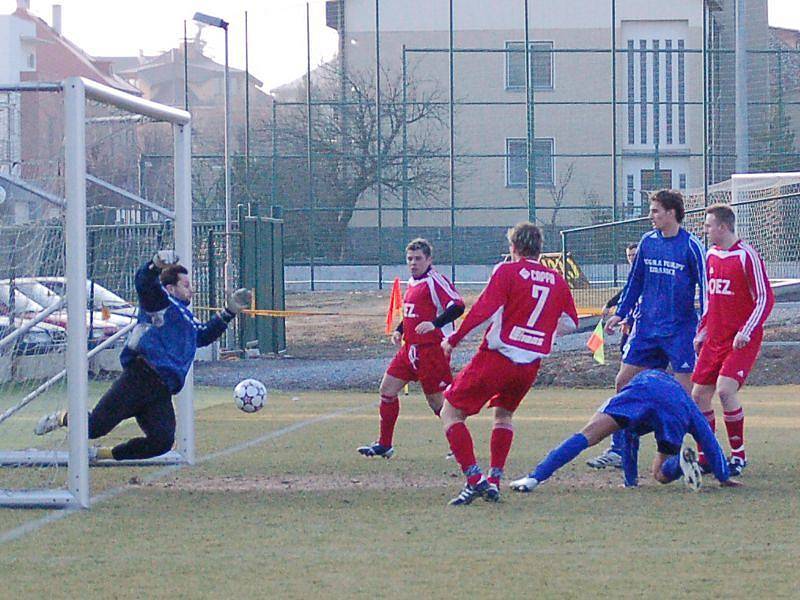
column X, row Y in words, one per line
column 76, row 92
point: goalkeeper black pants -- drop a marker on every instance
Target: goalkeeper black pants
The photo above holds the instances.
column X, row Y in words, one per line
column 137, row 393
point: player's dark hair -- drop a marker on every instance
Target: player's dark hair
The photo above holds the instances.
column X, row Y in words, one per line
column 527, row 239
column 420, row 244
column 632, row 246
column 670, row 200
column 723, row 214
column 169, row 276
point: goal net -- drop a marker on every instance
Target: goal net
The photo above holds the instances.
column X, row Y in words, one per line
column 767, row 207
column 75, row 225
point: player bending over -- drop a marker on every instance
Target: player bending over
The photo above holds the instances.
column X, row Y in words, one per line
column 729, row 337
column 155, row 360
column 525, row 303
column 652, row 401
column 430, row 305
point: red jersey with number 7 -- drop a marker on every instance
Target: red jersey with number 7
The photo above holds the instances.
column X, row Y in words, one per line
column 739, row 294
column 526, row 303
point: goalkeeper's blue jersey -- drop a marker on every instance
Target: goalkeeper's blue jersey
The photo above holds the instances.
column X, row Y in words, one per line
column 167, row 334
column 664, row 277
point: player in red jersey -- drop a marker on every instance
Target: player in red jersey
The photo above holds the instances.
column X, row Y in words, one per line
column 729, row 336
column 526, row 304
column 430, row 305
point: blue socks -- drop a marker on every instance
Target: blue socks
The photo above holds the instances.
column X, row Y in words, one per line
column 558, row 457
column 617, row 442
column 672, row 468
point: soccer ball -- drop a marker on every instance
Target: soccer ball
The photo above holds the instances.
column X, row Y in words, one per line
column 250, row 395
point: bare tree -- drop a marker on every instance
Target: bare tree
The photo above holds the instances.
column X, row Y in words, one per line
column 559, row 191
column 344, row 143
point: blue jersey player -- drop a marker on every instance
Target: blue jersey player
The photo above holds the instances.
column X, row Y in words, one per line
column 664, row 279
column 156, row 358
column 652, row 402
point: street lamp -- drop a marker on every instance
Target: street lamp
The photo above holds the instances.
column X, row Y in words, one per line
column 217, row 22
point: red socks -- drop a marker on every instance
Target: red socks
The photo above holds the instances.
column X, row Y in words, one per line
column 712, row 422
column 500, row 446
column 389, row 409
column 734, row 423
column 464, row 451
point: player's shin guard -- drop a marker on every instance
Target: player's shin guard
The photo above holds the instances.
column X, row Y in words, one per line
column 671, row 469
column 389, row 409
column 558, row 457
column 712, row 422
column 463, row 449
column 500, row 446
column 734, row 423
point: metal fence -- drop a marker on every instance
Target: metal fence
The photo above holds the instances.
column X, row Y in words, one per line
column 455, row 129
column 771, row 225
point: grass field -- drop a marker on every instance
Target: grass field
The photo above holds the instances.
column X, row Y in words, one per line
column 280, row 505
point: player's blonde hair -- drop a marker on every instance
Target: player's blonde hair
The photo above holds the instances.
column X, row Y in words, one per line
column 420, row 244
column 723, row 214
column 526, row 238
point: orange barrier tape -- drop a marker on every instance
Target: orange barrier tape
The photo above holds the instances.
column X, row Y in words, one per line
column 289, row 313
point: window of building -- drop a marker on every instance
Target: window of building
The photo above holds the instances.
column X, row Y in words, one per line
column 668, row 88
column 629, row 197
column 652, row 181
column 541, row 57
column 643, row 90
column 682, row 181
column 631, row 96
column 656, row 92
column 517, row 162
column 681, row 93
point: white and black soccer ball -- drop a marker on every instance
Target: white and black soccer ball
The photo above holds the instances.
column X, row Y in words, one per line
column 250, row 395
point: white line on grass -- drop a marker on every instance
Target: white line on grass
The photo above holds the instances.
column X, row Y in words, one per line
column 36, row 524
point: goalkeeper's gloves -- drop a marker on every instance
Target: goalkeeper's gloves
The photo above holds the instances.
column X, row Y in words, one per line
column 237, row 302
column 165, row 258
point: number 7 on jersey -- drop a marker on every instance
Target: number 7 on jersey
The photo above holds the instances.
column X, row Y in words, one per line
column 529, row 335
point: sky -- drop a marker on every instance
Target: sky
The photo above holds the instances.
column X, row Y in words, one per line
column 276, row 29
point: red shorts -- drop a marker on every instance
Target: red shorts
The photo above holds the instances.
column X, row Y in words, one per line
column 716, row 360
column 493, row 378
column 426, row 364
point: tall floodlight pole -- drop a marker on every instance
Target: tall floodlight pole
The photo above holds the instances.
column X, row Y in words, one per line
column 378, row 155
column 217, row 22
column 246, row 109
column 309, row 157
column 451, row 155
column 741, row 95
column 529, row 120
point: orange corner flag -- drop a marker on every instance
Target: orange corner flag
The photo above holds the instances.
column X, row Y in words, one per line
column 596, row 343
column 395, row 305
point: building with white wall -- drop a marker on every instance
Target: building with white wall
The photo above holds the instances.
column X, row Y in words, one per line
column 659, row 97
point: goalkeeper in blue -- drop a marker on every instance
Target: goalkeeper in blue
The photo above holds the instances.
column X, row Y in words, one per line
column 652, row 402
column 156, row 358
column 664, row 279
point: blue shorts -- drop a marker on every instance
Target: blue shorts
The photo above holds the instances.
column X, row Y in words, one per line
column 632, row 412
column 654, row 352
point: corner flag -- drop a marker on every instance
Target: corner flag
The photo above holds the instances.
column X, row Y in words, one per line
column 395, row 305
column 596, row 343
